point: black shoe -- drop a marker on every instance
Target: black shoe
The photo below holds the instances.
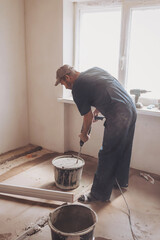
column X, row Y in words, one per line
column 87, row 198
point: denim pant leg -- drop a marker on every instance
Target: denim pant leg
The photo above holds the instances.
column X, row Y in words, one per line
column 104, row 176
column 116, row 134
column 122, row 171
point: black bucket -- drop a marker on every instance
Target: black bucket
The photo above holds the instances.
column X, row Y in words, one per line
column 72, row 222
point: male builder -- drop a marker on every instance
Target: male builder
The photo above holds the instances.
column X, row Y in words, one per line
column 96, row 87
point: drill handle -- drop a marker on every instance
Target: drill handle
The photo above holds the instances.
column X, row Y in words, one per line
column 137, row 97
column 95, row 118
column 98, row 118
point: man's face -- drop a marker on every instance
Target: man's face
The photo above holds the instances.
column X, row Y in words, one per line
column 67, row 82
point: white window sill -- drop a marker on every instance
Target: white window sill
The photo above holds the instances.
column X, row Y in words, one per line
column 66, row 100
column 144, row 111
column 152, row 112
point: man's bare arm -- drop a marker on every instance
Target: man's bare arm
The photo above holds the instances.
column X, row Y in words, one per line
column 87, row 122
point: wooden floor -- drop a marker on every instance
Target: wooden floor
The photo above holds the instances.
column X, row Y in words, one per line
column 32, row 166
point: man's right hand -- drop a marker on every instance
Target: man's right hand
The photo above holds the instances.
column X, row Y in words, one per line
column 95, row 113
column 83, row 137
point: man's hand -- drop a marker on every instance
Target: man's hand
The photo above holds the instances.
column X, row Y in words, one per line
column 95, row 113
column 83, row 137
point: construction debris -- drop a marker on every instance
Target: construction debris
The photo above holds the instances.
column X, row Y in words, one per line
column 34, row 228
column 147, row 177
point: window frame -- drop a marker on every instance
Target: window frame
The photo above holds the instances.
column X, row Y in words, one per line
column 127, row 6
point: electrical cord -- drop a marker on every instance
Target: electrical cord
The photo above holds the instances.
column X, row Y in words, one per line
column 129, row 212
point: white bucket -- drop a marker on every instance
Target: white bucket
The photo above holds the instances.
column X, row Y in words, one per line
column 68, row 171
column 72, row 222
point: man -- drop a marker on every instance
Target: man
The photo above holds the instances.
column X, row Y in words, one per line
column 96, row 87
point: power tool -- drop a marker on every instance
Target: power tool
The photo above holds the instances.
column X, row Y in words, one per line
column 81, row 143
column 137, row 93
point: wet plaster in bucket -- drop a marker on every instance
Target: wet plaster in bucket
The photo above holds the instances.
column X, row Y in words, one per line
column 68, row 171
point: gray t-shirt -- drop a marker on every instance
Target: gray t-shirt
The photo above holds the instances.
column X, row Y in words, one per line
column 96, row 87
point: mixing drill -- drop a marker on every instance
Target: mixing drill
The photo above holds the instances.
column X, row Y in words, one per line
column 137, row 93
column 81, row 142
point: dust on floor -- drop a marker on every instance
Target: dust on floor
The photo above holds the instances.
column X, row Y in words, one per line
column 31, row 166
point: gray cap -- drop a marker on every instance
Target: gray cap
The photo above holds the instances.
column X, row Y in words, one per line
column 62, row 71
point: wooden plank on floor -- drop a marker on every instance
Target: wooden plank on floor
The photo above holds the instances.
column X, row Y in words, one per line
column 37, row 193
column 27, row 165
column 19, row 152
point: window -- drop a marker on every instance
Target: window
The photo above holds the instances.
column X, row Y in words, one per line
column 144, row 50
column 99, row 40
column 122, row 37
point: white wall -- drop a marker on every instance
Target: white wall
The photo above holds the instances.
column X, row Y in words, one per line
column 68, row 35
column 67, row 55
column 44, row 45
column 146, row 148
column 13, row 90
